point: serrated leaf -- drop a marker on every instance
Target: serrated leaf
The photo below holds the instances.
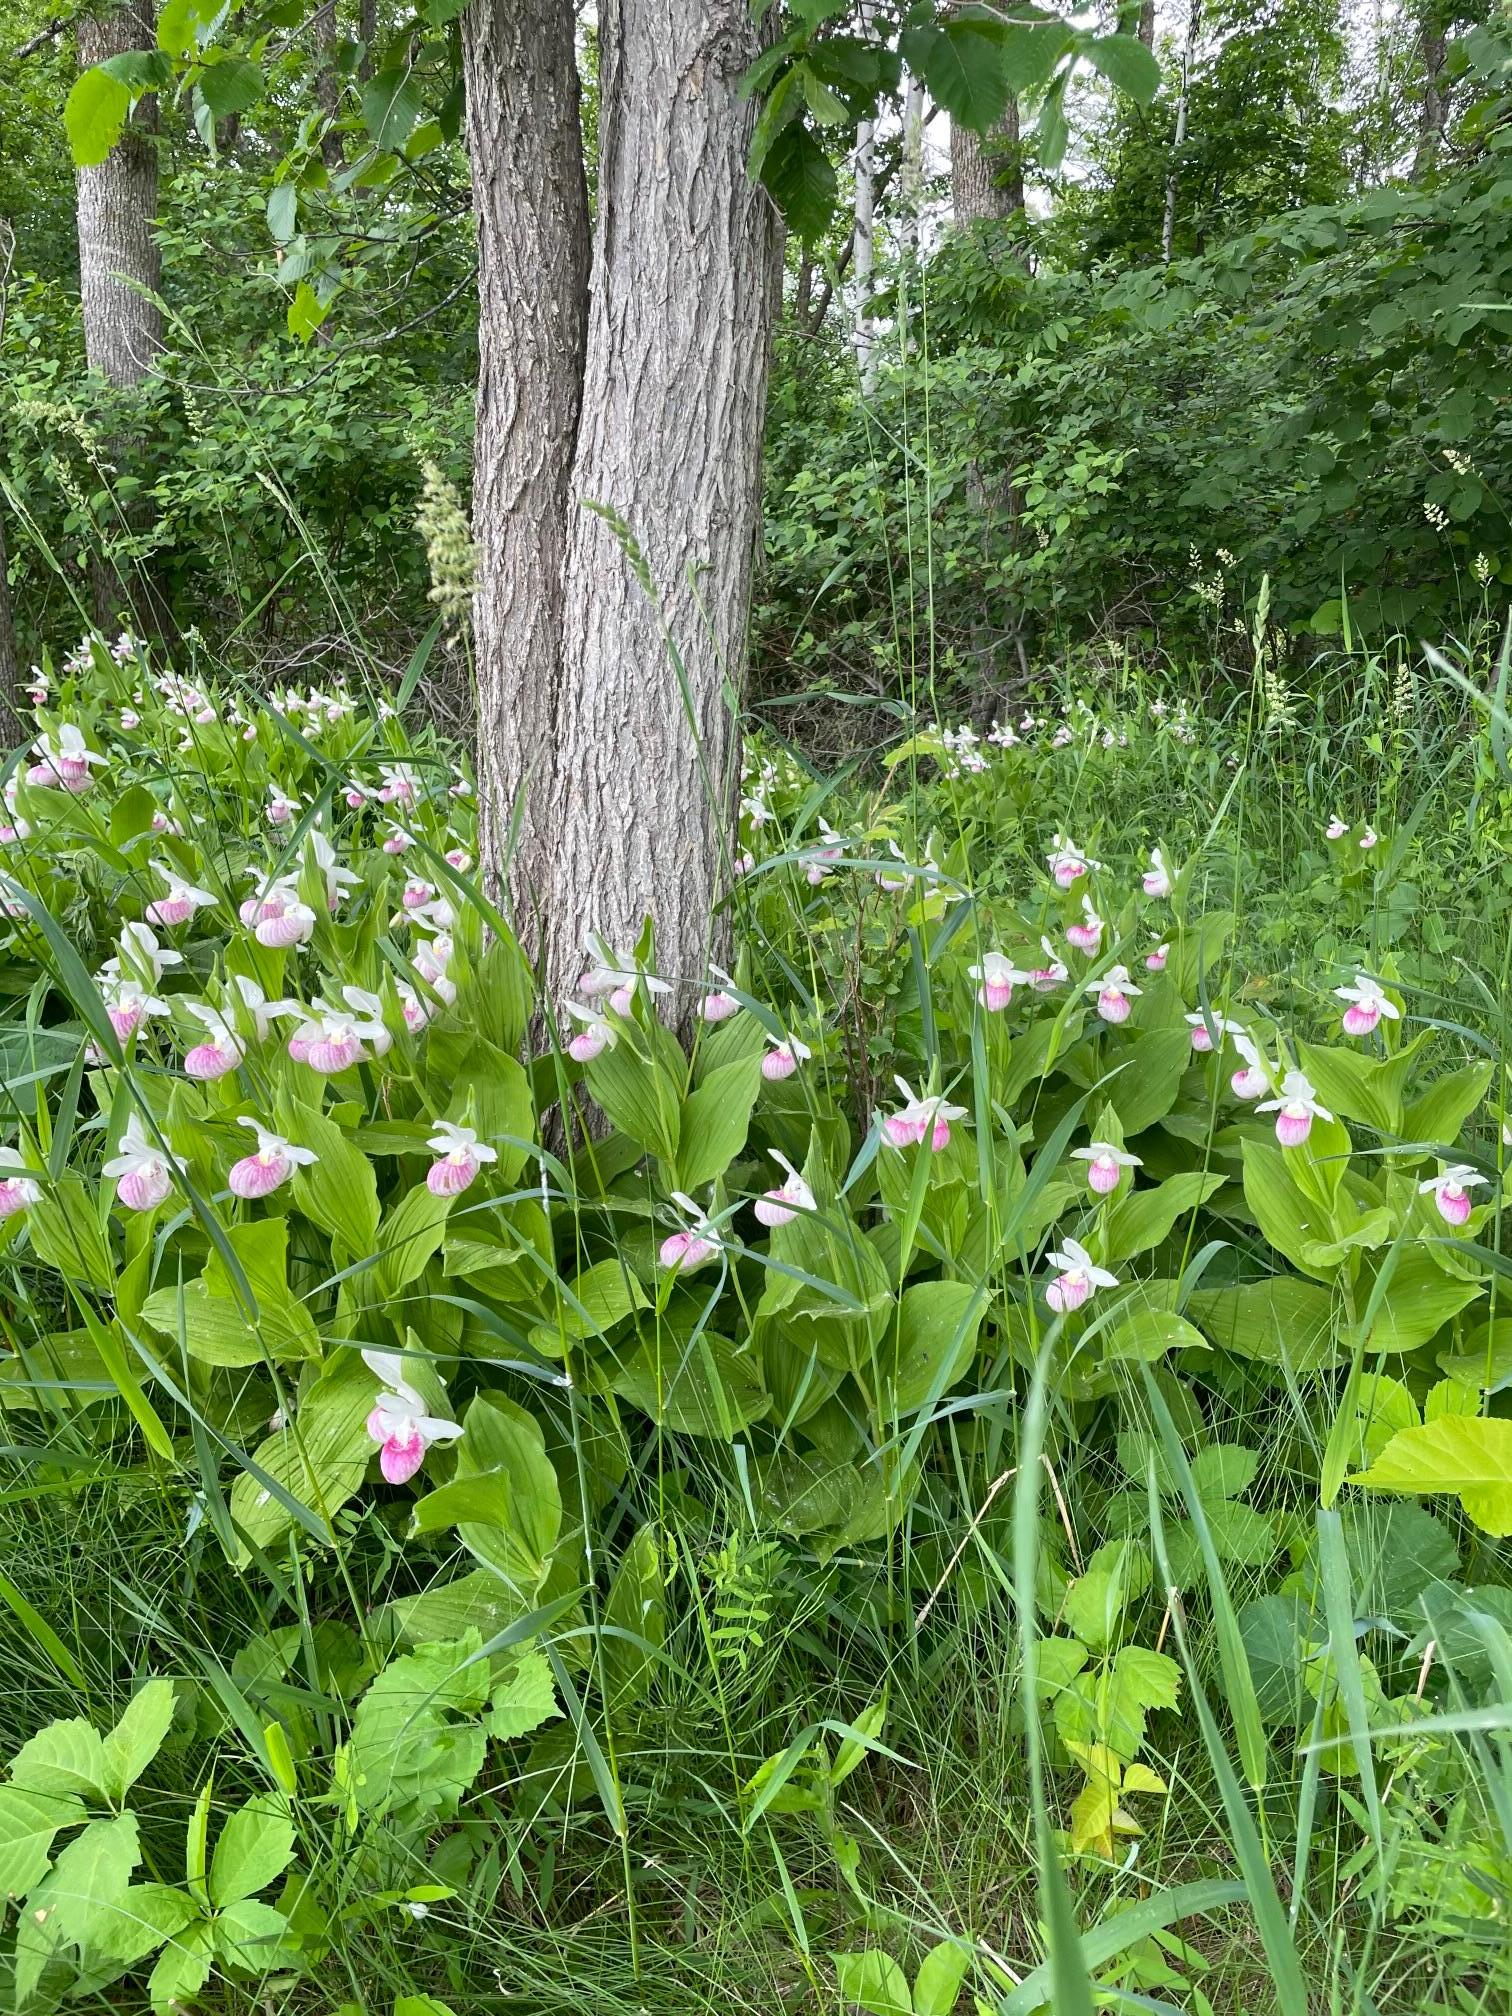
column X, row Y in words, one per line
column 137, row 1737
column 231, row 85
column 255, row 1845
column 1470, row 1456
column 28, row 1822
column 94, row 117
column 524, row 1699
column 390, row 106
column 1126, row 63
column 65, row 1758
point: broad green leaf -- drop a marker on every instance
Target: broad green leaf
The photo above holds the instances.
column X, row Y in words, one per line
column 638, row 1096
column 28, row 1822
column 216, row 1327
column 693, row 1385
column 1438, row 1113
column 339, row 1192
column 247, row 1934
column 1148, row 1334
column 391, row 104
column 71, row 1904
column 230, row 85
column 715, row 1121
column 66, row 1758
column 1292, row 1221
column 255, row 1845
column 416, row 1742
column 1418, row 1303
column 94, row 117
column 523, row 1699
column 283, row 212
column 1469, row 1456
column 408, row 1237
column 874, row 1982
column 1283, row 1321
column 182, row 1969
column 960, row 63
column 137, row 1737
column 801, row 180
column 933, row 1342
column 306, row 312
column 937, row 1985
column 636, row 1619
column 65, row 1232
column 1126, row 63
column 1145, row 1217
column 319, row 1458
column 503, row 1449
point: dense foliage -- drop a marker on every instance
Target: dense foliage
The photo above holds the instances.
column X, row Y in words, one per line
column 530, row 1393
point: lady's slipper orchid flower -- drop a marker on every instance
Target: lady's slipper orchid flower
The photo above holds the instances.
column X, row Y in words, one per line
column 461, row 784
column 130, row 719
column 1105, row 1165
column 399, row 841
column 65, row 761
column 17, row 1193
column 1368, row 838
column 996, row 978
column 416, row 1012
column 1155, row 960
column 697, row 1242
column 257, row 1008
column 130, row 1006
column 1336, row 828
column 461, row 1156
column 720, row 1003
column 222, row 1049
column 893, row 883
column 1255, row 1077
column 437, row 915
column 1067, row 862
column 458, row 858
column 141, row 1168
column 1113, row 991
column 280, row 916
column 921, row 1119
column 1054, row 973
column 355, row 794
column 1367, row 1004
column 331, row 1040
column 1157, row 878
column 416, row 894
column 431, row 958
column 1079, row 1277
column 399, row 1423
column 182, row 900
column 400, row 784
column 1087, row 935
column 141, row 954
column 594, row 1038
column 617, row 975
column 370, row 1006
column 337, row 878
column 820, row 858
column 1295, row 1110
column 1205, row 1028
column 1451, row 1191
column 271, row 1166
column 281, row 806
column 784, row 1055
column 782, row 1205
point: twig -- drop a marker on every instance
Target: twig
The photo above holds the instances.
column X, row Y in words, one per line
column 43, row 36
column 950, row 1565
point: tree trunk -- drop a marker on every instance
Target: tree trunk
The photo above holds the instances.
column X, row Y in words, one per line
column 328, row 84
column 123, row 331
column 531, row 200
column 1173, row 178
column 1147, row 23
column 367, row 34
column 670, row 441
column 862, row 333
column 1433, row 107
column 986, row 171
column 911, row 180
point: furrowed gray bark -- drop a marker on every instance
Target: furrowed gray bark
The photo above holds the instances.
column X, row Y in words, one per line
column 531, row 200
column 669, row 442
column 117, row 202
column 986, row 178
